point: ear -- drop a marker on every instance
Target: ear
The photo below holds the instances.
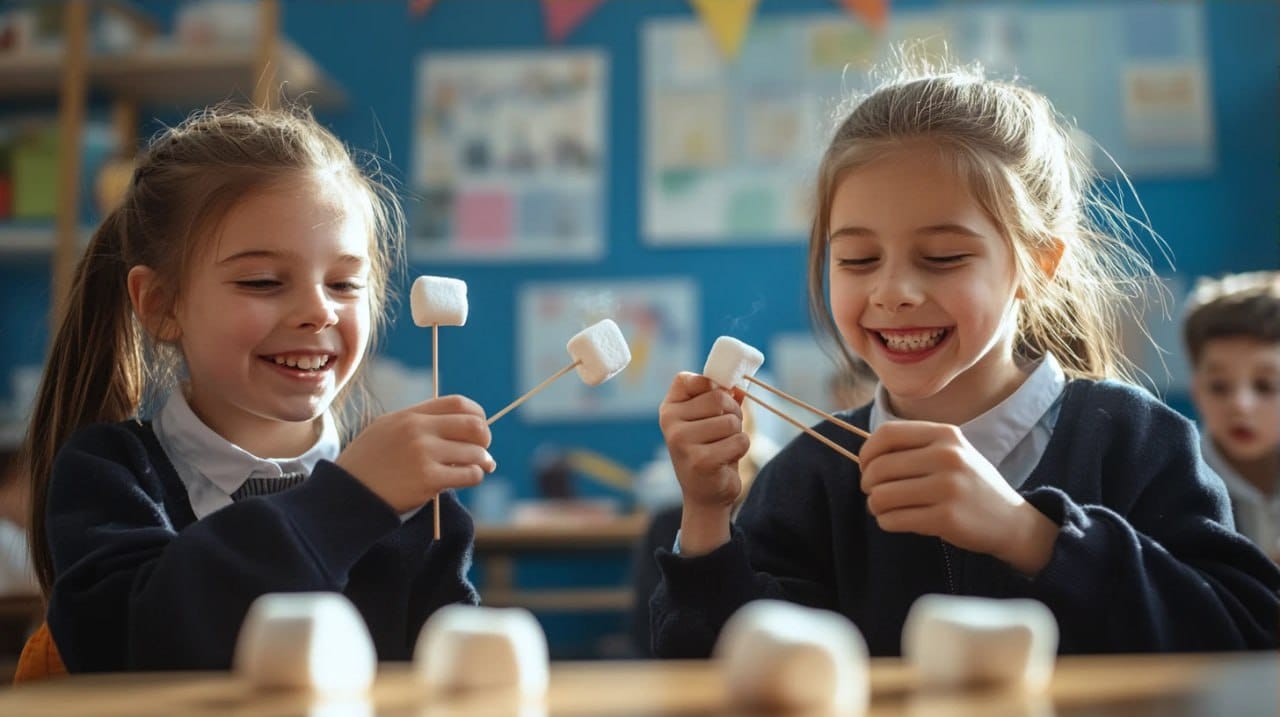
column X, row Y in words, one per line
column 145, row 297
column 1047, row 258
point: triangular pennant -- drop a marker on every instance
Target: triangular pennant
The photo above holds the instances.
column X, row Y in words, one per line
column 419, row 8
column 563, row 16
column 728, row 22
column 875, row 13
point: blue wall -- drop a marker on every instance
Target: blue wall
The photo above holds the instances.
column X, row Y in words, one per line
column 1227, row 221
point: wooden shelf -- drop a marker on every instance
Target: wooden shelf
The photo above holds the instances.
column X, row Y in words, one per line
column 33, row 240
column 172, row 75
column 562, row 600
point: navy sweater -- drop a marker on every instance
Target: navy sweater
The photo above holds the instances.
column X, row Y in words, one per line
column 1146, row 558
column 142, row 585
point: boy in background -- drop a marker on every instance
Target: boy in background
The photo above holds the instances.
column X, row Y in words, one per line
column 1232, row 334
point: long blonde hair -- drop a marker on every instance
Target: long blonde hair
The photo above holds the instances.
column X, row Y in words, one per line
column 102, row 365
column 1025, row 171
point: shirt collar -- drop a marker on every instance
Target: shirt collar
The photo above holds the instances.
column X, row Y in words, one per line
column 1237, row 486
column 998, row 431
column 223, row 463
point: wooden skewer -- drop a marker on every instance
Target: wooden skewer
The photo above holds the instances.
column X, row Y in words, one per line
column 532, row 391
column 843, row 424
column 435, row 392
column 830, row 443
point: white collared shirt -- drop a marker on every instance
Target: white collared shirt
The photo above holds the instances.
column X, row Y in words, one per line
column 1257, row 515
column 1013, row 435
column 212, row 468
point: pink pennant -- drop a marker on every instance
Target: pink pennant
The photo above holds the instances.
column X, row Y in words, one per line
column 562, row 16
column 872, row 12
column 419, row 8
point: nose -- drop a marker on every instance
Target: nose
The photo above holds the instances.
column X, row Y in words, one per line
column 896, row 288
column 316, row 309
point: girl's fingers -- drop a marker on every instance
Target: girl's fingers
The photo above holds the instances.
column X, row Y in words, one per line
column 898, row 465
column 709, row 457
column 899, row 495
column 446, row 405
column 455, row 476
column 894, row 436
column 924, row 520
column 706, row 430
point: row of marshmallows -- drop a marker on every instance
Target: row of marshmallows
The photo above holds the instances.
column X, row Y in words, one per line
column 772, row 654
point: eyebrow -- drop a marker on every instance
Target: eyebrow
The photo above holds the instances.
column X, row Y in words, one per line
column 930, row 230
column 272, row 254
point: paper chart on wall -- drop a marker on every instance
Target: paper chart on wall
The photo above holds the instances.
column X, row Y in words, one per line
column 657, row 317
column 731, row 148
column 508, row 156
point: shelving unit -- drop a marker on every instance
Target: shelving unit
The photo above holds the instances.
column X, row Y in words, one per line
column 155, row 75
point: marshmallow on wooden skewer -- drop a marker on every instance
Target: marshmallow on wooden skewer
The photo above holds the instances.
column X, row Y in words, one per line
column 732, row 364
column 599, row 352
column 315, row 641
column 464, row 647
column 955, row 641
column 781, row 656
column 438, row 301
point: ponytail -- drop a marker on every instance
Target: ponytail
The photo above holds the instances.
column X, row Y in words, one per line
column 94, row 371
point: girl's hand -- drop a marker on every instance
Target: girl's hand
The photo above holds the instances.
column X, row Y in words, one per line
column 926, row 478
column 410, row 456
column 702, row 426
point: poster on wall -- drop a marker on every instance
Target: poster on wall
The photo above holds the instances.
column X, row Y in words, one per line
column 658, row 319
column 732, row 147
column 508, row 156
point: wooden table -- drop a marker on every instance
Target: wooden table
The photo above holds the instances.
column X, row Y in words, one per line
column 498, row 546
column 1183, row 685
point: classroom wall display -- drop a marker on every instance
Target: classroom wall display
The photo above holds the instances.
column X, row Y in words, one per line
column 508, row 156
column 731, row 146
column 657, row 317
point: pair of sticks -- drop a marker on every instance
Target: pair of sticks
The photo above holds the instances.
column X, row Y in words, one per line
column 830, row 443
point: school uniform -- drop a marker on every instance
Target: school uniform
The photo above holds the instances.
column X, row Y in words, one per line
column 162, row 533
column 1257, row 514
column 1146, row 558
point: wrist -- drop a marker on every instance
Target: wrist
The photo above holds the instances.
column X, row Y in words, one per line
column 1032, row 541
column 703, row 529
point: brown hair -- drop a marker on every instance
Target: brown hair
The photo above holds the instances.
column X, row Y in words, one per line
column 1023, row 168
column 1237, row 305
column 186, row 181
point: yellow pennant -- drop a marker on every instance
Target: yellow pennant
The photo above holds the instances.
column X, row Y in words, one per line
column 728, row 21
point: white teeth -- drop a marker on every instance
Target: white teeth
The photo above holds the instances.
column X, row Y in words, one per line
column 306, row 363
column 917, row 341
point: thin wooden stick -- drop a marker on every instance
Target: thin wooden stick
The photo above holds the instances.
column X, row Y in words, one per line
column 532, row 391
column 843, row 424
column 435, row 393
column 832, row 444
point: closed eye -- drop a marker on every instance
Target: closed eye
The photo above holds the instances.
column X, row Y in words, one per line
column 948, row 258
column 857, row 262
column 346, row 287
column 259, row 284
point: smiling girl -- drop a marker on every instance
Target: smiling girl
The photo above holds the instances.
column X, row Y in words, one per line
column 953, row 249
column 249, row 265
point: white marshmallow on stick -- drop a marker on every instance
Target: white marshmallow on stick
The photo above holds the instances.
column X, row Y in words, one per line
column 958, row 641
column 438, row 301
column 465, row 647
column 733, row 364
column 315, row 641
column 777, row 655
column 599, row 352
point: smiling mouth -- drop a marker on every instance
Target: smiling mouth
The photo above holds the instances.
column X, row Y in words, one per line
column 302, row 362
column 911, row 341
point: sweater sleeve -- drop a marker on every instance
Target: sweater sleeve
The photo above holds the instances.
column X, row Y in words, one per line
column 1152, row 564
column 132, row 592
column 781, row 548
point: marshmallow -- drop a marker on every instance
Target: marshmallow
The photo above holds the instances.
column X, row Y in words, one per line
column 781, row 656
column 315, row 641
column 954, row 641
column 730, row 361
column 439, row 301
column 602, row 350
column 464, row 647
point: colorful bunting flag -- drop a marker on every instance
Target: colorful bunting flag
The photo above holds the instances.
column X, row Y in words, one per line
column 419, row 8
column 728, row 22
column 875, row 13
column 563, row 16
